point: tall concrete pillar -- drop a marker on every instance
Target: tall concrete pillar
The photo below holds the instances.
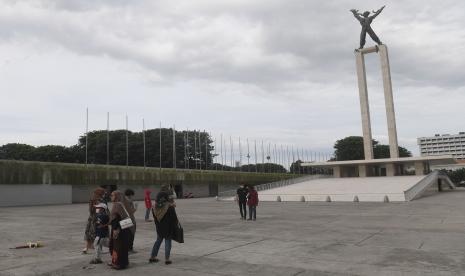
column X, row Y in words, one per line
column 362, row 171
column 389, row 102
column 419, row 168
column 390, row 169
column 364, row 106
column 337, row 171
column 388, row 98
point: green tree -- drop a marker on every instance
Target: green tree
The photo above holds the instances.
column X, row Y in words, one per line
column 15, row 151
column 351, row 148
column 456, row 176
column 190, row 152
column 382, row 151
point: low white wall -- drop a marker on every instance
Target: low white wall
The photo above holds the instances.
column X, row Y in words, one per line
column 26, row 195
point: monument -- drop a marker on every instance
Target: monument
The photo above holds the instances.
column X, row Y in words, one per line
column 365, row 20
column 376, row 167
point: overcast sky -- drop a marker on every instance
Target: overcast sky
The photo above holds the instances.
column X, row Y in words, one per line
column 280, row 71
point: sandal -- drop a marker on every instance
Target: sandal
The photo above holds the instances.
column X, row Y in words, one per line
column 153, row 260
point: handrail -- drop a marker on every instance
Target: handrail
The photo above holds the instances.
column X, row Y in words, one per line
column 432, row 178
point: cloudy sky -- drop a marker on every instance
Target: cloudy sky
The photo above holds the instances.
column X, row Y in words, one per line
column 280, row 71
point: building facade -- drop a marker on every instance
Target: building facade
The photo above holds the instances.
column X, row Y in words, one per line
column 445, row 144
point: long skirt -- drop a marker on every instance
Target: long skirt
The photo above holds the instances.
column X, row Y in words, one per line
column 89, row 234
column 119, row 249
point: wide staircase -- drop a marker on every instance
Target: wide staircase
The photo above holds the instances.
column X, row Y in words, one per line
column 355, row 189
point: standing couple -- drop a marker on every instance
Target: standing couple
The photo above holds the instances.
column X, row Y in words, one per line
column 247, row 196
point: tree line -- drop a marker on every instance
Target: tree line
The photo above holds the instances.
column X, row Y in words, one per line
column 190, row 150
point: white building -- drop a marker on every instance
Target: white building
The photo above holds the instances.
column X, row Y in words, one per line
column 445, row 144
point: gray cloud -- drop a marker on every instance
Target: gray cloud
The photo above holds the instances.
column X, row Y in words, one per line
column 296, row 53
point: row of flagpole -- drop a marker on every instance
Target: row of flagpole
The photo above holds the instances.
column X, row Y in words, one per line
column 283, row 155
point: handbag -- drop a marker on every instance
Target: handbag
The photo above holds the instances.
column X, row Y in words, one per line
column 127, row 222
column 179, row 233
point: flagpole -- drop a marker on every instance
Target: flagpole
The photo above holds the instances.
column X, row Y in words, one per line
column 206, row 149
column 232, row 154
column 187, row 148
column 195, row 149
column 127, row 142
column 160, row 150
column 274, row 157
column 200, row 150
column 215, row 158
column 108, row 138
column 288, row 158
column 87, row 132
column 248, row 155
column 240, row 155
column 256, row 164
column 174, row 147
column 221, row 151
column 143, row 137
column 225, row 152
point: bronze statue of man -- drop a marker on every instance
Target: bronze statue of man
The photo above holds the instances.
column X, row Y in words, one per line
column 365, row 20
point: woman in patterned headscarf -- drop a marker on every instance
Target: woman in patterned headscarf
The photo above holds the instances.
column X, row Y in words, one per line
column 119, row 238
column 89, row 235
column 166, row 222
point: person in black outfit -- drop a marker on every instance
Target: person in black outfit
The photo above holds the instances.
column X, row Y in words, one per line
column 129, row 193
column 242, row 200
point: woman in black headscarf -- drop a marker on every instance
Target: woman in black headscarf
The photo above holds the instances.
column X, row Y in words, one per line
column 120, row 238
column 166, row 222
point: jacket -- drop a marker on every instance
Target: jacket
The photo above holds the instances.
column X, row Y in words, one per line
column 252, row 198
column 148, row 201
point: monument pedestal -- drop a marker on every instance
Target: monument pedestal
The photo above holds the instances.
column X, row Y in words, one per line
column 388, row 98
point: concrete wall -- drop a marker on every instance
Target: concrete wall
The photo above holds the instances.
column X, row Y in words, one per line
column 29, row 194
column 82, row 180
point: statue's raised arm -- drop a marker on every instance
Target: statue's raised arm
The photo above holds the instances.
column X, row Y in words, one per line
column 376, row 13
column 356, row 14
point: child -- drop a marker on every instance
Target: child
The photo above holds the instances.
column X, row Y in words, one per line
column 148, row 204
column 101, row 231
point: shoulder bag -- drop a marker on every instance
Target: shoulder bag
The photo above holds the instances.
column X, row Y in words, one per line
column 127, row 222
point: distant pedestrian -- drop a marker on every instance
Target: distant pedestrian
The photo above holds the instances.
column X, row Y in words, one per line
column 252, row 202
column 241, row 198
column 101, row 231
column 148, row 203
column 166, row 223
column 119, row 237
column 129, row 193
column 89, row 235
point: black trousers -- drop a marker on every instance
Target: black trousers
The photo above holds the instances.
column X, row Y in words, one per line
column 243, row 209
column 132, row 234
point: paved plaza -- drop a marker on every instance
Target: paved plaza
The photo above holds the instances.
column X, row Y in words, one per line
column 422, row 237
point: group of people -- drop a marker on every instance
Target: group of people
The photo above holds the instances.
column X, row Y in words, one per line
column 116, row 228
column 247, row 196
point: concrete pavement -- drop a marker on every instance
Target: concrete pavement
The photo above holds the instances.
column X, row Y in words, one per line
column 422, row 237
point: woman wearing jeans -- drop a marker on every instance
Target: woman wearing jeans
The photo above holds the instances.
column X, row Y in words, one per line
column 166, row 222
